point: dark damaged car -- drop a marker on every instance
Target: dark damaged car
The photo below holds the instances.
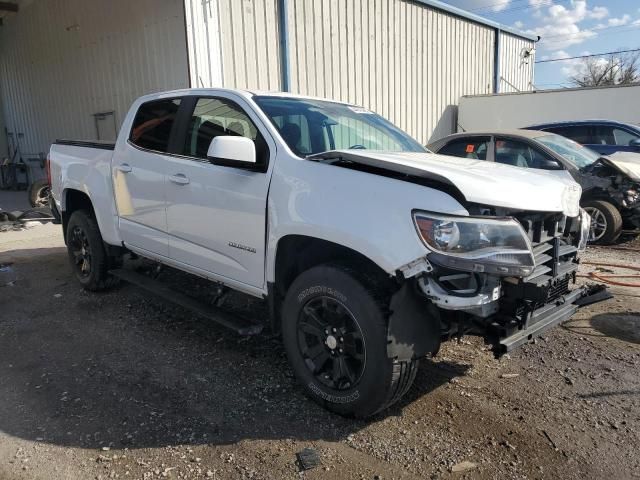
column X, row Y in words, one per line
column 610, row 184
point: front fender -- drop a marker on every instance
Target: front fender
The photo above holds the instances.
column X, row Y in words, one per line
column 368, row 213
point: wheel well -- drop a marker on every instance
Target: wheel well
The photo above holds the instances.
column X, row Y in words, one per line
column 298, row 253
column 597, row 194
column 74, row 200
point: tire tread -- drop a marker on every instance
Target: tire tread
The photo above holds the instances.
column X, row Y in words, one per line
column 614, row 220
column 403, row 372
column 102, row 280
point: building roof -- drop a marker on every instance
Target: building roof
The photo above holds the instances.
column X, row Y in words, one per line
column 459, row 12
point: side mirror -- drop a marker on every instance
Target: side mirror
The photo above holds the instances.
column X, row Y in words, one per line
column 549, row 164
column 231, row 151
column 635, row 143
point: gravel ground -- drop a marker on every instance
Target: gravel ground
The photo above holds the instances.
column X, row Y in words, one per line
column 121, row 385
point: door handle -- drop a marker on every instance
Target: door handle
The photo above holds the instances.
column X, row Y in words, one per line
column 124, row 168
column 179, row 179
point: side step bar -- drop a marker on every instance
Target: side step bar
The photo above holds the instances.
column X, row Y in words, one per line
column 233, row 322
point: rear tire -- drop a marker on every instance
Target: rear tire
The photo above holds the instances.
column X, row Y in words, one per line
column 87, row 253
column 606, row 222
column 334, row 329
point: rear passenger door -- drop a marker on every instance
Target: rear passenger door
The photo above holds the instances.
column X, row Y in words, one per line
column 216, row 215
column 139, row 177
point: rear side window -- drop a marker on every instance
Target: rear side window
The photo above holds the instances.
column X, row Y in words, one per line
column 153, row 124
column 472, row 148
column 578, row 134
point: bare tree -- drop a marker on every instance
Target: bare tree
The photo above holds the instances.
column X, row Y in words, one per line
column 614, row 70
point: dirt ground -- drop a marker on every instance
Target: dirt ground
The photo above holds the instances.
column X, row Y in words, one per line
column 121, row 385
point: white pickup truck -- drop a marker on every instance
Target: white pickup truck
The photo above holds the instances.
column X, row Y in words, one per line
column 368, row 249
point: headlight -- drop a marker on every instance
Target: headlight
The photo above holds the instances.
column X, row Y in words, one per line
column 571, row 200
column 585, row 229
column 476, row 244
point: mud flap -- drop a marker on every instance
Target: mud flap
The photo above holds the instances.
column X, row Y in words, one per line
column 414, row 325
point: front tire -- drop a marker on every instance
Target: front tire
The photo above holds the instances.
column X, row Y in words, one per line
column 606, row 222
column 334, row 328
column 87, row 254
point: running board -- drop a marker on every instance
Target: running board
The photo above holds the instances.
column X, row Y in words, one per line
column 233, row 322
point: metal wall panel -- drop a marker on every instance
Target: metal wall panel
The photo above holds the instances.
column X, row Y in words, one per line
column 62, row 61
column 233, row 43
column 406, row 61
column 516, row 69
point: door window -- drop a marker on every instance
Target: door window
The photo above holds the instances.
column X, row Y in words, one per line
column 624, row 137
column 520, row 154
column 578, row 133
column 153, row 124
column 213, row 117
column 473, row 148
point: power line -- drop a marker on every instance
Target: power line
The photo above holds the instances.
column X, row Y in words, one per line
column 587, row 56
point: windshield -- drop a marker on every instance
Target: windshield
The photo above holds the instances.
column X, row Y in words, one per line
column 316, row 126
column 579, row 156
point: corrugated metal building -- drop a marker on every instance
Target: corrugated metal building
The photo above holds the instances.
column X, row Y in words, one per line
column 70, row 68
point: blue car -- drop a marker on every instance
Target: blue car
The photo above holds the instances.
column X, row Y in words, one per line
column 603, row 136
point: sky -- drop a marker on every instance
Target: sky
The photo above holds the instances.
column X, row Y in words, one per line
column 568, row 28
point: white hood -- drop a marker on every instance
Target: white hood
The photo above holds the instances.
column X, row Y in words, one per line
column 627, row 162
column 482, row 182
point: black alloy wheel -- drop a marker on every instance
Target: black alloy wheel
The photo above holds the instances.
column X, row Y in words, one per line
column 88, row 254
column 331, row 343
column 80, row 248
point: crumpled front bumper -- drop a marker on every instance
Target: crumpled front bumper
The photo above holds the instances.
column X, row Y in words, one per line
column 548, row 316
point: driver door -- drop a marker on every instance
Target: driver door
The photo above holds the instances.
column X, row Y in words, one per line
column 216, row 215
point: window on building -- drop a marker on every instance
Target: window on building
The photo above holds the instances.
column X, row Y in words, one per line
column 213, row 117
column 472, row 148
column 153, row 124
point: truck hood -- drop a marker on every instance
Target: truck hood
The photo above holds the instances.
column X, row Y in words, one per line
column 625, row 162
column 479, row 181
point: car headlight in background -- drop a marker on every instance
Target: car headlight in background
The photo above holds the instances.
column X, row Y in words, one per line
column 476, row 244
column 631, row 197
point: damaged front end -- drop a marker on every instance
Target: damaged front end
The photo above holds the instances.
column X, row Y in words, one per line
column 612, row 179
column 507, row 285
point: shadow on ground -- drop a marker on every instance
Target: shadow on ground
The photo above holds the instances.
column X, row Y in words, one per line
column 623, row 326
column 122, row 369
